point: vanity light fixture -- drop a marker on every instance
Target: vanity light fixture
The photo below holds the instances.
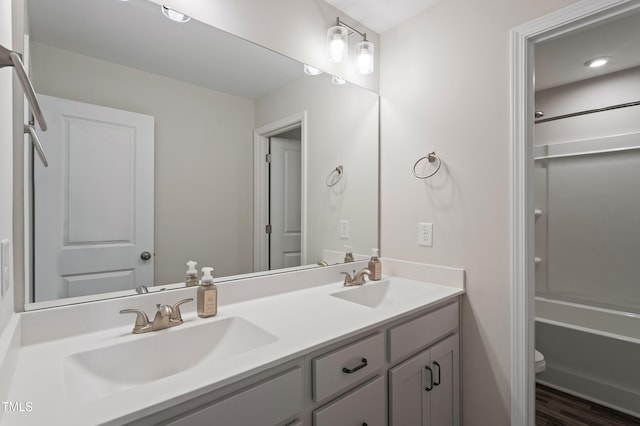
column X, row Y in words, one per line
column 338, row 46
column 597, row 62
column 174, row 15
column 337, row 80
column 309, row 70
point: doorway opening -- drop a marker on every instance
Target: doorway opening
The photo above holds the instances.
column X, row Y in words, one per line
column 569, row 20
column 280, row 194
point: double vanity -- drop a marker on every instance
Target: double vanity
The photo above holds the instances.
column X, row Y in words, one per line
column 297, row 348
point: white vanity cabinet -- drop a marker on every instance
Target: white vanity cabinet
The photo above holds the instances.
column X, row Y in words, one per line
column 402, row 372
column 424, row 390
column 271, row 398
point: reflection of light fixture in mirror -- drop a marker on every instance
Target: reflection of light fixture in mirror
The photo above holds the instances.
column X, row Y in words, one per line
column 338, row 45
column 309, row 70
column 337, row 80
column 175, row 15
column 597, row 62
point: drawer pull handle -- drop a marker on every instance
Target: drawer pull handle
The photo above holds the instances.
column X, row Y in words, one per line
column 429, row 385
column 437, row 381
column 363, row 364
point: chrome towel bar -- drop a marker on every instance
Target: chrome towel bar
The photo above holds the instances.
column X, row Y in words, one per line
column 9, row 58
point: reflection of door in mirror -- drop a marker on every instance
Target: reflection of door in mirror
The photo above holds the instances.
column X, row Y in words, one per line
column 93, row 214
column 285, row 181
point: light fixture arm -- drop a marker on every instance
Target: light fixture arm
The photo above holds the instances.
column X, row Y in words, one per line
column 350, row 28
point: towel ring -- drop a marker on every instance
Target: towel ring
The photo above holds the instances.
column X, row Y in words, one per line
column 334, row 177
column 431, row 157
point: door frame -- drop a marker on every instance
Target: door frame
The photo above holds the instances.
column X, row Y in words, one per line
column 261, row 137
column 523, row 40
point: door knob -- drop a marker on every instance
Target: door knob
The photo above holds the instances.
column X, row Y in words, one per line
column 145, row 255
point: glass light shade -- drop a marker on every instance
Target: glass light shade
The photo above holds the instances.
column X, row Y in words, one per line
column 337, row 43
column 175, row 15
column 337, row 80
column 365, row 56
column 309, row 70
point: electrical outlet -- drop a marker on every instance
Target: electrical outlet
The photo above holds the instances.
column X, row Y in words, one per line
column 4, row 266
column 425, row 234
column 344, row 229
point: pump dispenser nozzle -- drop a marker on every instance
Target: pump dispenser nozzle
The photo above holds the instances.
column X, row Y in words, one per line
column 207, row 278
column 192, row 274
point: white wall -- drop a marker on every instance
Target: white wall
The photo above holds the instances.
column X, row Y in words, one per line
column 6, row 155
column 445, row 87
column 342, row 130
column 203, row 156
column 296, row 28
column 611, row 89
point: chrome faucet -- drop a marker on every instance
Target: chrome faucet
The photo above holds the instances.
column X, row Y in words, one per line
column 357, row 279
column 166, row 316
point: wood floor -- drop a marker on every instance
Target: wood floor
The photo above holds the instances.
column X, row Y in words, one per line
column 555, row 408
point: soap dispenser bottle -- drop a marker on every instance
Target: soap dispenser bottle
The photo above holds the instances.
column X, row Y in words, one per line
column 375, row 266
column 348, row 255
column 207, row 295
column 192, row 274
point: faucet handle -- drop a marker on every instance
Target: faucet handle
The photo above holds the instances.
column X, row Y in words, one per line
column 175, row 310
column 347, row 277
column 142, row 320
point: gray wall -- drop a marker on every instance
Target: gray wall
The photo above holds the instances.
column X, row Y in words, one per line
column 203, row 156
column 342, row 130
column 445, row 86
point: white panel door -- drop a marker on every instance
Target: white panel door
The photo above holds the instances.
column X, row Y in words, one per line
column 93, row 205
column 285, row 186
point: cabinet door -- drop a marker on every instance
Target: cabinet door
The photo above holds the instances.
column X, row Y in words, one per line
column 408, row 399
column 444, row 404
column 424, row 390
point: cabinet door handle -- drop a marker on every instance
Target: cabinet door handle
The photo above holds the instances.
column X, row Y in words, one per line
column 429, row 385
column 437, row 381
column 363, row 364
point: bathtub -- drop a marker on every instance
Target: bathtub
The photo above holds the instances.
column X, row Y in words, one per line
column 591, row 352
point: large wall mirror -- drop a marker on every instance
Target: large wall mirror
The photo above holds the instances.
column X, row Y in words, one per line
column 171, row 142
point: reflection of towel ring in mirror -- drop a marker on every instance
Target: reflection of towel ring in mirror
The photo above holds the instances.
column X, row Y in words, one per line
column 334, row 177
column 431, row 157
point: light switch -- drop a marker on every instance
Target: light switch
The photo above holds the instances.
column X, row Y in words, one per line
column 4, row 266
column 425, row 234
column 344, row 229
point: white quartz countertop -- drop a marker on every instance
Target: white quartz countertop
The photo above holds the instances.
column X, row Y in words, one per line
column 297, row 322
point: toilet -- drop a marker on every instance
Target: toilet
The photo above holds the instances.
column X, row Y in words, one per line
column 541, row 365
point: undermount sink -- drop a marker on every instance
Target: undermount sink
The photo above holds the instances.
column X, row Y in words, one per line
column 100, row 372
column 376, row 294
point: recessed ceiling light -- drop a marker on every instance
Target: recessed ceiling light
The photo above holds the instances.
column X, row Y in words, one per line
column 309, row 70
column 597, row 62
column 175, row 15
column 338, row 80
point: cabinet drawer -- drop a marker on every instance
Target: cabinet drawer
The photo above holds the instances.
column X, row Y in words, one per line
column 359, row 361
column 267, row 403
column 419, row 333
column 365, row 405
